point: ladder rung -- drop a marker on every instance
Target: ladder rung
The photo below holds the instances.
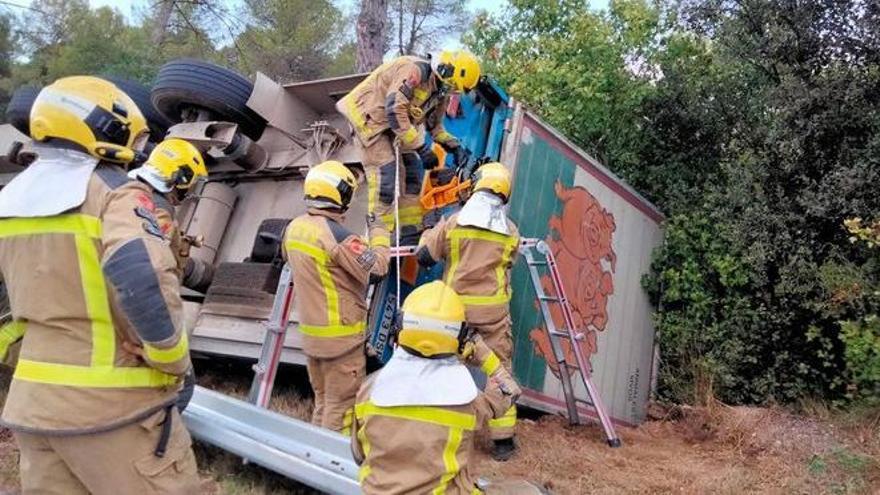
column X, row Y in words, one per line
column 537, row 263
column 582, row 401
column 565, row 335
column 548, row 298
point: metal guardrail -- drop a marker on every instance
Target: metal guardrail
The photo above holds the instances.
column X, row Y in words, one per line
column 314, row 456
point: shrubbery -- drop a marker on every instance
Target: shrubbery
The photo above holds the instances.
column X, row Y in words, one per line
column 755, row 126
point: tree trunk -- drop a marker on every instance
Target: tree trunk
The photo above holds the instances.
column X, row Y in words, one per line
column 372, row 23
column 165, row 8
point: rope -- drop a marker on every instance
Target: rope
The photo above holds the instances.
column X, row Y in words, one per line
column 397, row 216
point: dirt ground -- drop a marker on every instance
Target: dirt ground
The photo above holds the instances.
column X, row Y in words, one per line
column 710, row 450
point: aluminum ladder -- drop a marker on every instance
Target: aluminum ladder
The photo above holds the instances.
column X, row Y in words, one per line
column 273, row 342
column 568, row 331
column 276, row 330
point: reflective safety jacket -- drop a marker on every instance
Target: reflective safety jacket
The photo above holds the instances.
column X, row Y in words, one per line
column 80, row 284
column 332, row 268
column 400, row 95
column 169, row 228
column 423, row 449
column 477, row 265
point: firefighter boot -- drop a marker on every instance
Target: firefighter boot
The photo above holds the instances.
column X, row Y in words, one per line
column 503, row 450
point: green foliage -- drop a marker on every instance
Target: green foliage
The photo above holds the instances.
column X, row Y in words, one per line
column 286, row 39
column 291, row 40
column 581, row 70
column 755, row 125
column 862, row 351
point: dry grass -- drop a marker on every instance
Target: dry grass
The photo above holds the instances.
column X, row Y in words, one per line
column 714, row 449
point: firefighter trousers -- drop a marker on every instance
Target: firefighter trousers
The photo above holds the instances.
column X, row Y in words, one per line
column 122, row 460
column 335, row 382
column 379, row 165
column 498, row 335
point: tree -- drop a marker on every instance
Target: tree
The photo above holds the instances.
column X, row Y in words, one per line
column 292, row 40
column 371, row 29
column 417, row 25
column 6, row 56
column 576, row 67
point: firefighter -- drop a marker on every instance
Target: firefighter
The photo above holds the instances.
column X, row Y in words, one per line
column 172, row 168
column 390, row 108
column 479, row 244
column 416, row 418
column 92, row 285
column 331, row 270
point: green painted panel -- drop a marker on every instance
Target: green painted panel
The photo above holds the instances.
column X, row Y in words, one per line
column 533, row 201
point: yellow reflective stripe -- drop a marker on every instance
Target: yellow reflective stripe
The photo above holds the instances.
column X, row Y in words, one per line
column 419, row 96
column 170, row 355
column 372, row 189
column 332, row 330
column 93, row 377
column 502, row 295
column 330, row 293
column 506, row 421
column 346, row 421
column 309, row 250
column 355, row 115
column 409, row 136
column 424, row 414
column 486, row 300
column 486, row 235
column 364, row 472
column 443, row 137
column 453, row 442
column 380, row 241
column 365, row 447
column 411, row 215
column 477, row 491
column 75, row 223
column 454, row 258
column 10, row 333
column 491, row 364
column 97, row 304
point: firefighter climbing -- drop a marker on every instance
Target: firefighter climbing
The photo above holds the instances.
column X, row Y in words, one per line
column 391, row 107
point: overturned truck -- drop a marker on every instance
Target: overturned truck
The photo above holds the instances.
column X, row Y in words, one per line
column 261, row 139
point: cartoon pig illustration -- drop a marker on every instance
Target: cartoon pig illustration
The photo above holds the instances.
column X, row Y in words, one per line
column 581, row 241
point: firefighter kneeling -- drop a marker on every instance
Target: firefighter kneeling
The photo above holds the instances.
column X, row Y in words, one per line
column 479, row 244
column 416, row 418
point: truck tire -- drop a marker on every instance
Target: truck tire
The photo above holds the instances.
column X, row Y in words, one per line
column 141, row 95
column 18, row 111
column 193, row 83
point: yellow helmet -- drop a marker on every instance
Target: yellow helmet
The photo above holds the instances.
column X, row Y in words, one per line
column 493, row 177
column 433, row 321
column 172, row 163
column 92, row 113
column 332, row 182
column 459, row 69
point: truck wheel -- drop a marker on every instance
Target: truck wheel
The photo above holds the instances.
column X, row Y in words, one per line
column 188, row 83
column 18, row 111
column 141, row 95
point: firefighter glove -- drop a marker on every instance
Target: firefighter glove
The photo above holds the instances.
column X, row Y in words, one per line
column 429, row 158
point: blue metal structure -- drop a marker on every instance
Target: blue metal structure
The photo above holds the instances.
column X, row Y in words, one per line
column 479, row 126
